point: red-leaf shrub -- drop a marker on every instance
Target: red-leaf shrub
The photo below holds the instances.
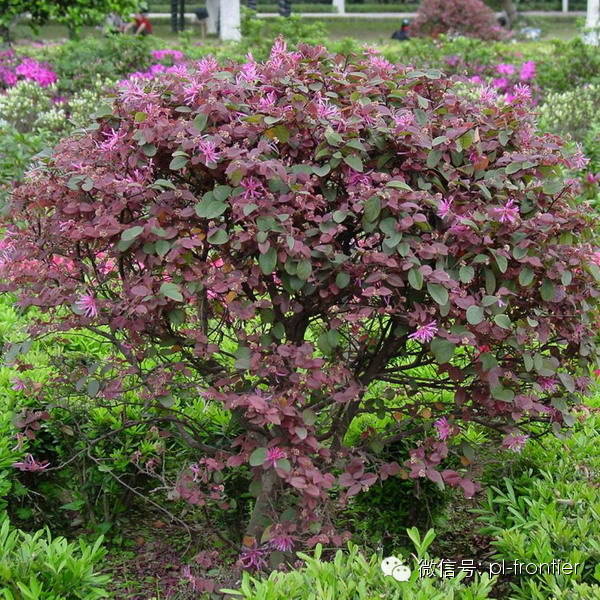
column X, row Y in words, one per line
column 307, row 240
column 471, row 18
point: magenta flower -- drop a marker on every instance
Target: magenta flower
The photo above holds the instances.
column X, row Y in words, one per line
column 253, row 188
column 31, row 464
column 520, row 92
column 326, row 110
column 476, row 79
column 87, row 305
column 509, row 213
column 505, row 69
column 500, row 82
column 444, row 207
column 355, row 178
column 425, row 333
column 578, row 160
column 282, row 542
column 174, row 54
column 527, row 71
column 207, row 65
column 548, row 384
column 515, row 441
column 488, row 95
column 253, row 559
column 404, row 119
column 267, row 102
column 196, row 471
column 209, row 150
column 443, row 428
column 19, row 384
column 273, row 455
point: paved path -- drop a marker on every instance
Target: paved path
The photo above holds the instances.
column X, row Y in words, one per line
column 385, row 15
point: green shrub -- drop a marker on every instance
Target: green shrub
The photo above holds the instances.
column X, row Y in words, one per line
column 352, row 576
column 550, row 509
column 573, row 112
column 37, row 567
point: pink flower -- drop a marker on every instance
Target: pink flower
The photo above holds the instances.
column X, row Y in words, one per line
column 273, row 455
column 326, row 110
column 209, row 150
column 267, row 102
column 444, row 207
column 196, row 471
column 509, row 213
column 207, row 65
column 174, row 54
column 578, row 160
column 521, row 92
column 500, row 82
column 253, row 559
column 548, row 384
column 476, row 79
column 515, row 441
column 249, row 71
column 19, row 384
column 87, row 305
column 31, row 464
column 527, row 71
column 443, row 428
column 282, row 542
column 113, row 138
column 404, row 119
column 488, row 95
column 505, row 69
column 355, row 178
column 253, row 188
column 425, row 333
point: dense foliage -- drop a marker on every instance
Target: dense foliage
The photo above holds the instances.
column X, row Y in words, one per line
column 471, row 18
column 288, row 241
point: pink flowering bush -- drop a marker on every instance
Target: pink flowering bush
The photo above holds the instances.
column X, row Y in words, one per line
column 303, row 241
column 471, row 18
column 13, row 69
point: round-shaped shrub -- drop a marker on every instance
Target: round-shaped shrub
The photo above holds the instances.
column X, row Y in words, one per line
column 471, row 18
column 303, row 241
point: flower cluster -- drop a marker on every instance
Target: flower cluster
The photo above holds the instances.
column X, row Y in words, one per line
column 13, row 69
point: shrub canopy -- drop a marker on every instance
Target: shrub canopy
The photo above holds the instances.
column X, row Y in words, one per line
column 304, row 241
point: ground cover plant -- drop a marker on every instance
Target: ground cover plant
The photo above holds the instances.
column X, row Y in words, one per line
column 283, row 301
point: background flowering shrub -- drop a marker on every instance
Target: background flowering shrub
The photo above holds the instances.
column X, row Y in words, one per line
column 302, row 241
column 14, row 69
column 471, row 18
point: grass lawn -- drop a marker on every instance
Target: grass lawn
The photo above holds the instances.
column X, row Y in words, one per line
column 368, row 30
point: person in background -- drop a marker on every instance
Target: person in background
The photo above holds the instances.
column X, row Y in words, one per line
column 141, row 25
column 402, row 34
column 202, row 19
column 114, row 24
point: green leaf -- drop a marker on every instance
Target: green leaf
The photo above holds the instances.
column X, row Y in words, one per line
column 438, row 292
column 131, row 233
column 466, row 274
column 284, row 464
column 304, row 269
column 503, row 321
column 513, row 168
column 222, row 192
column 200, row 121
column 415, row 278
column 258, row 457
column 547, row 290
column 526, row 276
column 209, row 207
column 218, row 237
column 501, row 261
column 179, row 162
column 342, row 280
column 171, row 290
column 354, row 162
column 442, row 349
column 433, row 158
column 372, row 208
column 399, row 185
column 162, row 247
column 268, row 261
column 502, row 393
column 474, row 314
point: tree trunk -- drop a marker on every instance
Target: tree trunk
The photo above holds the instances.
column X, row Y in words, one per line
column 511, row 12
column 181, row 15
column 592, row 22
column 174, row 9
column 260, row 512
column 212, row 27
column 5, row 34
